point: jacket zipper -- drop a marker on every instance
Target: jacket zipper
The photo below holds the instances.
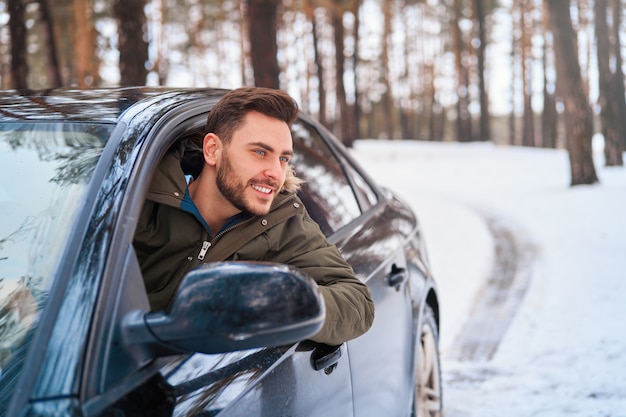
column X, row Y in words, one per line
column 205, row 247
column 207, row 244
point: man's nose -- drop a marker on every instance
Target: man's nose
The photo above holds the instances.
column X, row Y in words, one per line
column 274, row 169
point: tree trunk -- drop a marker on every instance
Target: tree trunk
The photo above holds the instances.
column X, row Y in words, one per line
column 479, row 14
column 463, row 116
column 528, row 125
column 435, row 125
column 54, row 70
column 609, row 115
column 514, row 47
column 17, row 29
column 161, row 62
column 618, row 79
column 578, row 116
column 262, row 26
column 408, row 117
column 84, row 45
column 321, row 85
column 584, row 19
column 356, row 110
column 549, row 116
column 387, row 97
column 344, row 115
column 133, row 48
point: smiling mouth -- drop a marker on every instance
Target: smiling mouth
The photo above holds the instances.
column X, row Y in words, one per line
column 262, row 189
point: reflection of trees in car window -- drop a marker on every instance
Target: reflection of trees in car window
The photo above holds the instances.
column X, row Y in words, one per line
column 206, row 384
column 45, row 169
column 74, row 148
column 17, row 314
column 368, row 197
column 56, row 160
column 326, row 193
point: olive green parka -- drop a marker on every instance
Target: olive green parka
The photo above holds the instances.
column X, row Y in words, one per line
column 172, row 238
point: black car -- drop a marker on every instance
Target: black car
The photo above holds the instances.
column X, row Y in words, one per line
column 77, row 337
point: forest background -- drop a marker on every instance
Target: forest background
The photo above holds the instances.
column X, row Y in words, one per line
column 537, row 73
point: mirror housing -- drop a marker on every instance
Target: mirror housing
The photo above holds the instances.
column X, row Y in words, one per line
column 229, row 306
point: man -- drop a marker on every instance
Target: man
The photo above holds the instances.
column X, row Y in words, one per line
column 243, row 206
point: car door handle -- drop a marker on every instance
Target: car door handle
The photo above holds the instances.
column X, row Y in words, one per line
column 325, row 357
column 396, row 276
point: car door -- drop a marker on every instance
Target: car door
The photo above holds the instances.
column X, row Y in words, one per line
column 390, row 380
column 263, row 382
column 371, row 234
column 381, row 359
column 305, row 378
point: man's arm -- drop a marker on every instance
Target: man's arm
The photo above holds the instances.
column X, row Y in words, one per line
column 349, row 305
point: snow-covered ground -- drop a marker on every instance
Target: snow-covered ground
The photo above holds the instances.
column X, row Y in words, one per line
column 562, row 351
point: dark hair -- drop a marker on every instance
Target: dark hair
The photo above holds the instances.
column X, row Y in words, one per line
column 229, row 112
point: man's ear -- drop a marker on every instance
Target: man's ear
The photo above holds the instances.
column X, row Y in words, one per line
column 212, row 148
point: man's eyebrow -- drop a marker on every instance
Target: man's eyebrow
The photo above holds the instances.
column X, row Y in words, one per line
column 269, row 148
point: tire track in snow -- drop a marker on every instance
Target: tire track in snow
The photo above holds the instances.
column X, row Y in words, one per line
column 498, row 300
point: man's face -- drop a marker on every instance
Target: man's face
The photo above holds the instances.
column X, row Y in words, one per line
column 253, row 165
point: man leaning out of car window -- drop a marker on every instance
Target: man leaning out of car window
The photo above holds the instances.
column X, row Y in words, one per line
column 245, row 176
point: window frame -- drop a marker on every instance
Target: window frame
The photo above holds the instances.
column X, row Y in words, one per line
column 342, row 155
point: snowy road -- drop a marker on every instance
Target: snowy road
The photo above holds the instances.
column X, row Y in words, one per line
column 466, row 361
column 531, row 274
column 498, row 299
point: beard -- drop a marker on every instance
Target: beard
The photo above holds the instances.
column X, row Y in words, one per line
column 233, row 188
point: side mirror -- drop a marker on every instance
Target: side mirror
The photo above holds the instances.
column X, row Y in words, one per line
column 229, row 306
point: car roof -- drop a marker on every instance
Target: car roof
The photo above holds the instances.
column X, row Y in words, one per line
column 105, row 105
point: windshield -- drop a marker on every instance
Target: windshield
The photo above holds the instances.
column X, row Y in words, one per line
column 44, row 172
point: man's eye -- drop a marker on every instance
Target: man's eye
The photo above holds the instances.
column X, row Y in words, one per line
column 260, row 152
column 284, row 159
